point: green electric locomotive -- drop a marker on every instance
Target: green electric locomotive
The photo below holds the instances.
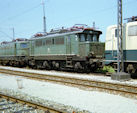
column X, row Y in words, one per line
column 14, row 53
column 76, row 48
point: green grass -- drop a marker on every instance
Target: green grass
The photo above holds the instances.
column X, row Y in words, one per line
column 108, row 69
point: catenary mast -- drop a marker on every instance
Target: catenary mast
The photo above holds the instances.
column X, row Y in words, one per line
column 120, row 75
column 44, row 18
column 120, row 62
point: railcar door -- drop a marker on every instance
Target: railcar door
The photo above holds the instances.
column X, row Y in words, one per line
column 68, row 44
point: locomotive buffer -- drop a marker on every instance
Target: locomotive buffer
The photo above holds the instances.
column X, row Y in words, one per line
column 120, row 75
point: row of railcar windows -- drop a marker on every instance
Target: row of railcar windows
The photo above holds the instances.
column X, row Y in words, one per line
column 51, row 41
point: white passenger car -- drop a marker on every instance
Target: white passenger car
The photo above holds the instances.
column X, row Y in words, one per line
column 129, row 45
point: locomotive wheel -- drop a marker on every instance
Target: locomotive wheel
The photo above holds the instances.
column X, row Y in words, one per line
column 46, row 65
column 87, row 69
column 78, row 67
column 131, row 69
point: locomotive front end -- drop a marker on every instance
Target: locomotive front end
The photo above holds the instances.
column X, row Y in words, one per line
column 91, row 48
column 96, row 54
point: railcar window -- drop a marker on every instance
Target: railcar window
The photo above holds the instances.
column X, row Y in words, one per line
column 116, row 35
column 48, row 42
column 132, row 30
column 38, row 43
column 59, row 40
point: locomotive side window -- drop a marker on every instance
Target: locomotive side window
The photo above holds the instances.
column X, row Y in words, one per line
column 43, row 42
column 23, row 45
column 53, row 41
column 38, row 43
column 48, row 42
column 132, row 30
column 59, row 40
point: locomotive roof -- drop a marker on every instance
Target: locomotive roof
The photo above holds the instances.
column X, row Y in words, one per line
column 18, row 40
column 65, row 33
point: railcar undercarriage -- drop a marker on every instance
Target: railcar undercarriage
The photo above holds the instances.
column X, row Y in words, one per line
column 74, row 63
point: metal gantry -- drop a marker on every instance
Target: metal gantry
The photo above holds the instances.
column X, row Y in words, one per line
column 120, row 61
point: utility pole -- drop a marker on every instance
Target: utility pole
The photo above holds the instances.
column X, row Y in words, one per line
column 120, row 62
column 44, row 18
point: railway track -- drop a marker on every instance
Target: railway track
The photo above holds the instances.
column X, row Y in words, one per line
column 116, row 88
column 13, row 104
column 7, row 106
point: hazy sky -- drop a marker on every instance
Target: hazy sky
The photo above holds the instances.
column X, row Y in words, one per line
column 26, row 16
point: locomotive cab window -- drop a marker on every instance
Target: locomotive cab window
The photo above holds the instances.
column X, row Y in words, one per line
column 82, row 38
column 95, row 38
column 88, row 37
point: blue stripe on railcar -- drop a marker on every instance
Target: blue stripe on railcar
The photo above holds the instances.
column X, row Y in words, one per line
column 110, row 56
column 129, row 55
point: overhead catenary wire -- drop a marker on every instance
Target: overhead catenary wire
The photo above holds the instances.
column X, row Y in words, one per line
column 5, row 34
column 21, row 13
column 83, row 16
column 34, row 7
column 102, row 10
column 14, row 17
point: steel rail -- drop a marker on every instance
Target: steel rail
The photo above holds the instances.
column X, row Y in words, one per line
column 116, row 87
column 32, row 104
